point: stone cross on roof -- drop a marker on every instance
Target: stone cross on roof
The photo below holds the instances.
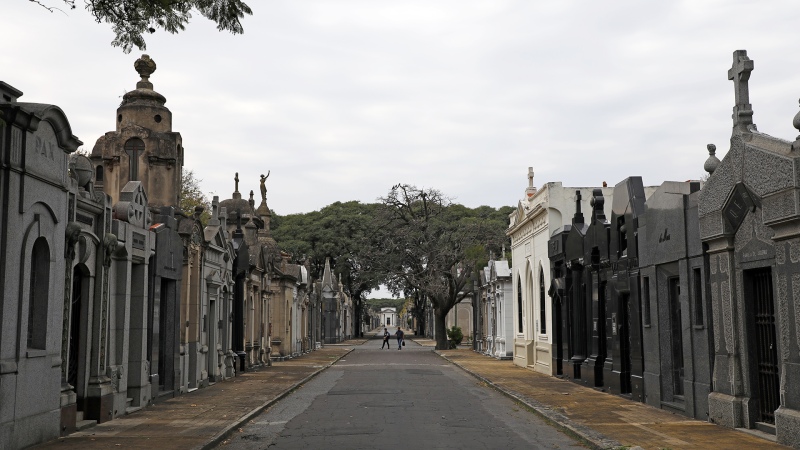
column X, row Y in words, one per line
column 578, row 217
column 740, row 74
column 530, row 190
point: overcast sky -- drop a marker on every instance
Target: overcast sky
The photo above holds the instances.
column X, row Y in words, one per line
column 343, row 99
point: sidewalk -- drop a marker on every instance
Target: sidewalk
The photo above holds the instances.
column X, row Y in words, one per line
column 604, row 420
column 203, row 418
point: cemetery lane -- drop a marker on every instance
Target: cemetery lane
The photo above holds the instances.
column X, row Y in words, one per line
column 390, row 398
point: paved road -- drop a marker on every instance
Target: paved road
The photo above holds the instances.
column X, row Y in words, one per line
column 396, row 399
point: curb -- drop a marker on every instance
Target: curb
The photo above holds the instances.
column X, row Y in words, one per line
column 219, row 437
column 587, row 434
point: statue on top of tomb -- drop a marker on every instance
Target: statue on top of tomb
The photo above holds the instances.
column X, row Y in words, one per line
column 264, row 186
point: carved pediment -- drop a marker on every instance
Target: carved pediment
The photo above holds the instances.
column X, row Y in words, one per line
column 753, row 239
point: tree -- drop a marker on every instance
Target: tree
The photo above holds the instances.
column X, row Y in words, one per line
column 341, row 232
column 131, row 19
column 192, row 196
column 429, row 245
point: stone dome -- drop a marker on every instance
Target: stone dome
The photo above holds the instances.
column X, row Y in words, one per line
column 270, row 248
column 233, row 206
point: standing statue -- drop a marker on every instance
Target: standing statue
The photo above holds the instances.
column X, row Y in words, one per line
column 264, row 186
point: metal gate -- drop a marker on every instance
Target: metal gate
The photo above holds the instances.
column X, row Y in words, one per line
column 625, row 343
column 676, row 336
column 74, row 328
column 765, row 343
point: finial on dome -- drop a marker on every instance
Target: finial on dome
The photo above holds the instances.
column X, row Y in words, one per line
column 145, row 67
column 712, row 162
column 796, row 124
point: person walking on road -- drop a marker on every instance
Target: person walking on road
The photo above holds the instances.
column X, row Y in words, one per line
column 399, row 335
column 385, row 339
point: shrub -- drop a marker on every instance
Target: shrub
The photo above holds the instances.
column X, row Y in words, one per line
column 455, row 335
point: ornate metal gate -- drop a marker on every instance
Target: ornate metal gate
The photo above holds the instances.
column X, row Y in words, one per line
column 624, row 331
column 765, row 343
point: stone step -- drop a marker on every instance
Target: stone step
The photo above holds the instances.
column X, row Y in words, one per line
column 132, row 409
column 768, row 428
column 84, row 424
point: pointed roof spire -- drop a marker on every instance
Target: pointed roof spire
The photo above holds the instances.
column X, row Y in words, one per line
column 327, row 279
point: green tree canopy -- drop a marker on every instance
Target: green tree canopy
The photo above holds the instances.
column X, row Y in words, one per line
column 340, row 232
column 427, row 245
column 192, row 196
column 363, row 242
column 375, row 304
column 131, row 19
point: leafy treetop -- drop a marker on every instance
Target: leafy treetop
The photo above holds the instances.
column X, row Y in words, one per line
column 192, row 196
column 131, row 19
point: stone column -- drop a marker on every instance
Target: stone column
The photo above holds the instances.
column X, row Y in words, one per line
column 138, row 387
column 99, row 395
column 726, row 402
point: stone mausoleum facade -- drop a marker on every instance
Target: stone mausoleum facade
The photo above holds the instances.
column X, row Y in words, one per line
column 114, row 299
column 539, row 214
column 749, row 213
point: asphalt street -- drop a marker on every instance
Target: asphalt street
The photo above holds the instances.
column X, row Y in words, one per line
column 396, row 399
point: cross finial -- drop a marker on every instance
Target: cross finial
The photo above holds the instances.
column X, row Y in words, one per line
column 530, row 190
column 578, row 217
column 740, row 74
column 236, row 182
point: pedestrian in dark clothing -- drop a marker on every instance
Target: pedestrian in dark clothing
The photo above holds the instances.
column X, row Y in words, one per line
column 385, row 339
column 399, row 335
